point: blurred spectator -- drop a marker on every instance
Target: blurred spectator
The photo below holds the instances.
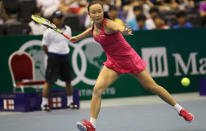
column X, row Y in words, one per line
column 173, row 4
column 160, row 23
column 117, row 4
column 150, row 22
column 202, row 10
column 145, row 6
column 133, row 21
column 184, row 4
column 141, row 22
column 113, row 13
column 108, row 3
column 3, row 15
column 48, row 6
column 153, row 12
column 77, row 7
column 181, row 21
column 167, row 4
column 130, row 5
column 34, row 27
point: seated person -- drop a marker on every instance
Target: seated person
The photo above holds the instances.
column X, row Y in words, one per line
column 3, row 15
column 173, row 4
column 113, row 13
column 34, row 27
column 145, row 4
column 150, row 22
column 48, row 6
column 160, row 23
column 132, row 22
column 141, row 22
column 77, row 7
column 108, row 3
column 202, row 10
column 181, row 21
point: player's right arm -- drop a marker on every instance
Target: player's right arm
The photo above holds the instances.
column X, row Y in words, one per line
column 84, row 34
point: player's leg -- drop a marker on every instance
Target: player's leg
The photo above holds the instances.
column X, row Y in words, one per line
column 147, row 82
column 106, row 77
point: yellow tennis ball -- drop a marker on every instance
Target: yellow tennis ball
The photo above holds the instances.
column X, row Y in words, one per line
column 185, row 81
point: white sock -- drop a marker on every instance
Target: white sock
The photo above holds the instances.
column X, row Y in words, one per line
column 177, row 108
column 44, row 101
column 93, row 121
column 69, row 99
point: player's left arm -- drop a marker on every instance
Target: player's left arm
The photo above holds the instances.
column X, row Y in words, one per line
column 112, row 27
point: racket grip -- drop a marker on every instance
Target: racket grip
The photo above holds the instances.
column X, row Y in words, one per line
column 68, row 37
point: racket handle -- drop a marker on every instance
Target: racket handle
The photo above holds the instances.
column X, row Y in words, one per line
column 68, row 37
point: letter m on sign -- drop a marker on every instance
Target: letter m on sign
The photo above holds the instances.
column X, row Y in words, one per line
column 156, row 58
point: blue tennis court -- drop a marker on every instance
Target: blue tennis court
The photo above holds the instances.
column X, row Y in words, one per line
column 147, row 113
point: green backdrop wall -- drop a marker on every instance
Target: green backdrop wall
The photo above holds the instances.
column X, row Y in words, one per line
column 170, row 54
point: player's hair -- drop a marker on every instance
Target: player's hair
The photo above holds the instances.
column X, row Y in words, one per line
column 97, row 2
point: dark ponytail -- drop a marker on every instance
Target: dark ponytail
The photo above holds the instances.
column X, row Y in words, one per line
column 100, row 3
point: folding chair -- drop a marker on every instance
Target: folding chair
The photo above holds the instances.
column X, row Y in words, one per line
column 22, row 71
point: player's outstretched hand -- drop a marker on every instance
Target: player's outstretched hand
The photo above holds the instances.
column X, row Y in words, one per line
column 74, row 39
column 127, row 31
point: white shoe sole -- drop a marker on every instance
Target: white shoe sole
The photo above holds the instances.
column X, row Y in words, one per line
column 81, row 127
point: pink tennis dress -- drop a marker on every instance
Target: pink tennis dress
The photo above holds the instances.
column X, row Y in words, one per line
column 121, row 57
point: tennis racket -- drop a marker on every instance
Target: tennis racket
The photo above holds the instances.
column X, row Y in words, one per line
column 48, row 24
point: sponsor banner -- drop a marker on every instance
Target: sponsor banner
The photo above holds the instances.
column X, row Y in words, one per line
column 25, row 102
column 170, row 55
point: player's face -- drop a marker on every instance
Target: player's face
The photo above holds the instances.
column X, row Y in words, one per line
column 96, row 13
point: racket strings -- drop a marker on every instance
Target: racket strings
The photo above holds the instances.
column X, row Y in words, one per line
column 43, row 21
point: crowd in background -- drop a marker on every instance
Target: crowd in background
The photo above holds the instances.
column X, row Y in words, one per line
column 137, row 14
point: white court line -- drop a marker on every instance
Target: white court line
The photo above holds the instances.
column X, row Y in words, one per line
column 9, row 113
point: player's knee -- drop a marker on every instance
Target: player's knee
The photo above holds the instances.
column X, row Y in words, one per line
column 98, row 91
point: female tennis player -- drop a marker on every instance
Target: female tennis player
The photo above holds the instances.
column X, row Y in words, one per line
column 121, row 59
